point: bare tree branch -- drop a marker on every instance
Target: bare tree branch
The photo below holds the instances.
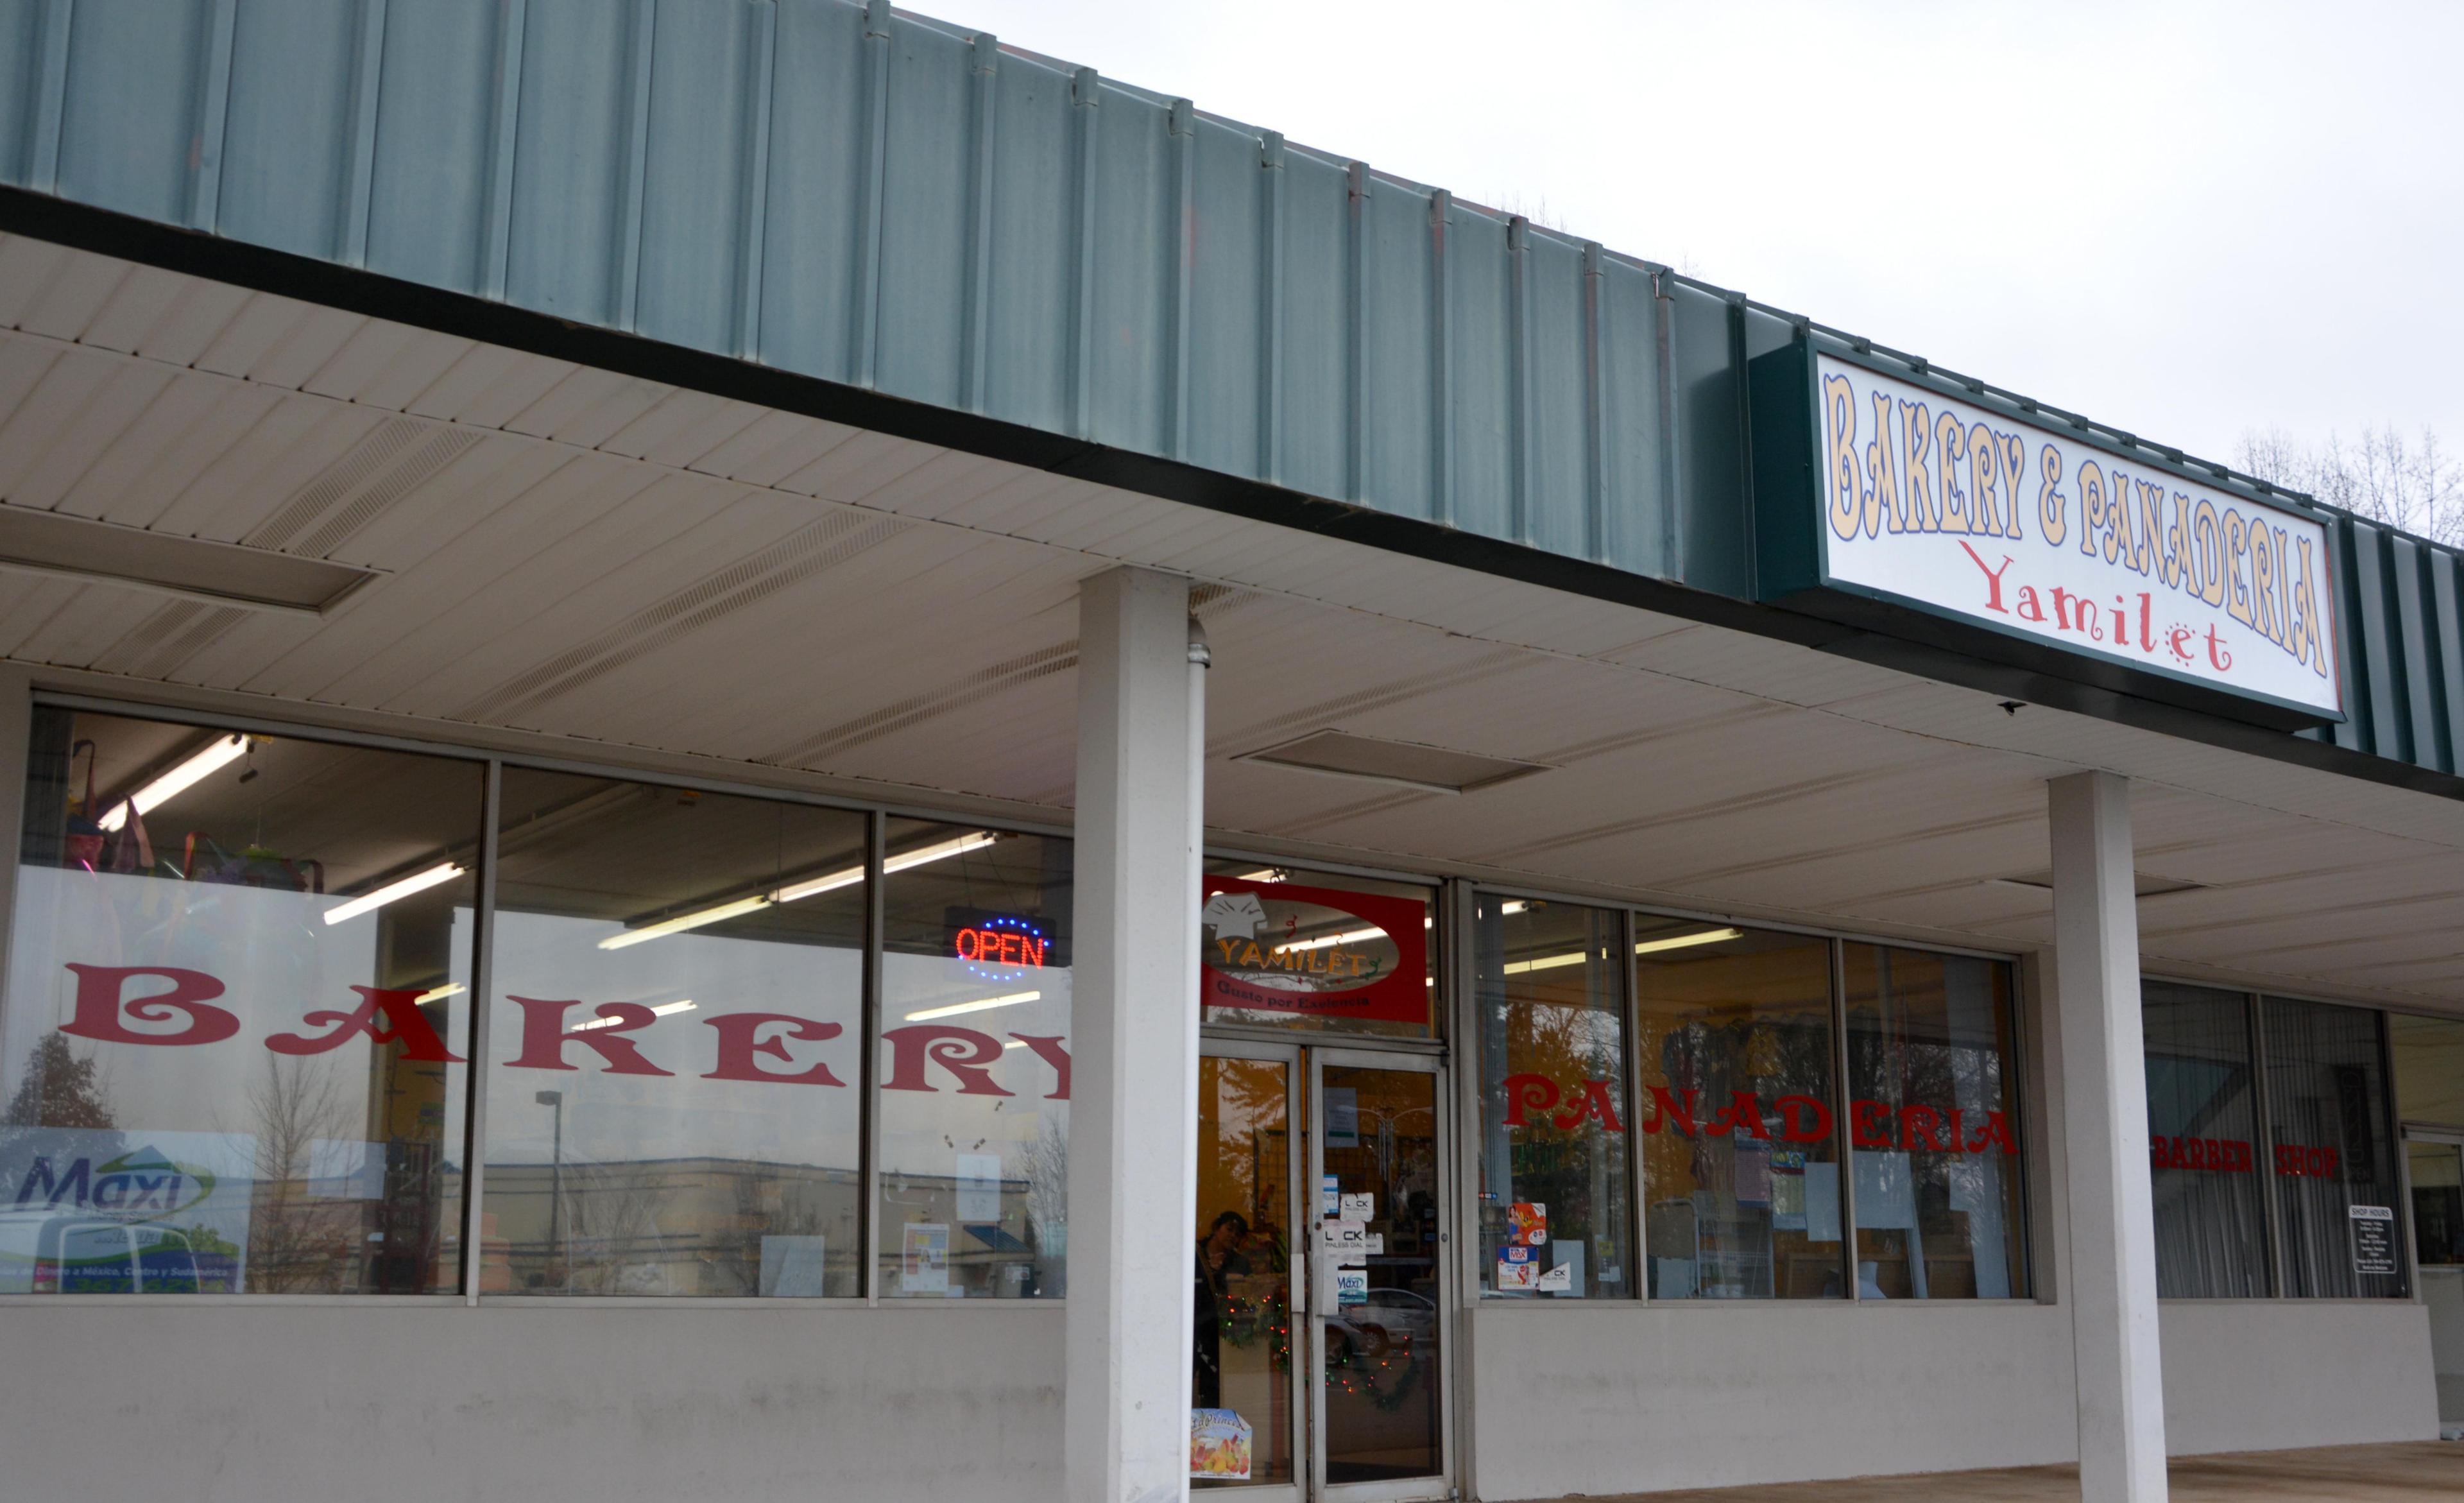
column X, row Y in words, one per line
column 2405, row 483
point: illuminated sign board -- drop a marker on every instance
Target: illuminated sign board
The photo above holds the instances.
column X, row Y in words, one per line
column 1280, row 947
column 1001, row 943
column 2042, row 548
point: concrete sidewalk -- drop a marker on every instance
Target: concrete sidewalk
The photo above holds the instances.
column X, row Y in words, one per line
column 2413, row 1472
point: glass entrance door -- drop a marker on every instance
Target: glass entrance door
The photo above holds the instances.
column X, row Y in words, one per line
column 1380, row 1321
column 2438, row 1171
column 1320, row 1277
column 1252, row 1151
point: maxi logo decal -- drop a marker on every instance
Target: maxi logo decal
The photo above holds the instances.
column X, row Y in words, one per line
column 104, row 1009
column 1962, row 510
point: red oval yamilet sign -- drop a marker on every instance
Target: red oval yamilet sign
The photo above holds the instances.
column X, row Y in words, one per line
column 1278, row 947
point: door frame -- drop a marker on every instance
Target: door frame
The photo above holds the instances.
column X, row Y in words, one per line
column 1441, row 1483
column 1305, row 1059
column 2409, row 1134
column 1300, row 1096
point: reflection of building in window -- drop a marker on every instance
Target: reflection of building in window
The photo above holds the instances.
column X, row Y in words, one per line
column 1937, row 1191
column 1736, row 1112
column 2202, row 1123
column 251, row 946
column 1555, row 1197
column 706, row 1226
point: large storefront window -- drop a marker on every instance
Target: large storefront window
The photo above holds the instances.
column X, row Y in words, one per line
column 974, row 1063
column 674, row 1044
column 1555, row 1211
column 2203, row 1132
column 233, row 1043
column 2429, row 1055
column 2330, row 1152
column 1932, row 1118
column 1736, row 1105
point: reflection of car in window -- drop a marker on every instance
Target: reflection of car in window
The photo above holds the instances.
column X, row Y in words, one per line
column 93, row 1255
column 1388, row 1319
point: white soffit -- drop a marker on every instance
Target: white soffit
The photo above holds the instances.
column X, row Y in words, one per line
column 602, row 559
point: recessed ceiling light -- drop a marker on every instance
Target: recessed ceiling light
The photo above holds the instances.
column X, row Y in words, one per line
column 2148, row 884
column 1434, row 769
column 192, row 569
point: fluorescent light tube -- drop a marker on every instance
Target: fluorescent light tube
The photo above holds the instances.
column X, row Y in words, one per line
column 1681, row 941
column 684, row 922
column 976, row 841
column 846, row 877
column 663, row 1009
column 1547, row 963
column 981, row 1006
column 172, row 783
column 849, row 876
column 440, row 993
column 813, row 886
column 1322, row 941
column 370, row 902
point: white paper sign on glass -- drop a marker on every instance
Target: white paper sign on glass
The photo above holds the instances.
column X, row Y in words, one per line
column 1965, row 511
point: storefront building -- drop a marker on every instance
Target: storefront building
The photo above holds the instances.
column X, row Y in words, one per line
column 759, row 750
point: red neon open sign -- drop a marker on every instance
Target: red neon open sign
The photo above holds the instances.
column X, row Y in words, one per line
column 1010, row 942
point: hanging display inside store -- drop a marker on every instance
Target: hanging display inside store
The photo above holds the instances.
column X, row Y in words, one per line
column 1280, row 947
column 1884, row 502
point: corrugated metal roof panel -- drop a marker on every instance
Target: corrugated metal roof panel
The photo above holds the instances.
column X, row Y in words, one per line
column 883, row 201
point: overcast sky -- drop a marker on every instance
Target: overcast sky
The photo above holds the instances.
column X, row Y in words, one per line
column 2188, row 220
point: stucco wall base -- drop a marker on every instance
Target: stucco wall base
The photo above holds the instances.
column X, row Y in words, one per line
column 2270, row 1376
column 1603, row 1400
column 1569, row 1401
column 232, row 1404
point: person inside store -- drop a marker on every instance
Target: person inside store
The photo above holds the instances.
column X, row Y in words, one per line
column 1219, row 1262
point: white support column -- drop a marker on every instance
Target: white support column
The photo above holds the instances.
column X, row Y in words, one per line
column 2112, row 1290
column 1134, row 1042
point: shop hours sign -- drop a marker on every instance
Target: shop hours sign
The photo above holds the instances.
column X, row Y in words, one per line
column 2373, row 1239
column 2048, row 549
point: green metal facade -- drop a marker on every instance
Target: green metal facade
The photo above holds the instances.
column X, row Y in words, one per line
column 891, row 206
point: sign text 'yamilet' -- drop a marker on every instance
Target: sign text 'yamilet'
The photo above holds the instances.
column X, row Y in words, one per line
column 1963, row 512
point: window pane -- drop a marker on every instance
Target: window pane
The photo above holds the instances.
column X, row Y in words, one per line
column 673, row 1043
column 2203, row 1129
column 1552, row 1156
column 1740, row 1182
column 1284, row 948
column 1933, row 1120
column 2334, row 1168
column 231, row 1045
column 2437, row 1206
column 975, row 1062
column 2428, row 1067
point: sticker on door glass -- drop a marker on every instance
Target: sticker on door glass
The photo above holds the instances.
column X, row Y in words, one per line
column 924, row 1259
column 1219, row 1445
column 1517, row 1269
column 1526, row 1224
column 1352, row 1286
column 1342, row 1116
